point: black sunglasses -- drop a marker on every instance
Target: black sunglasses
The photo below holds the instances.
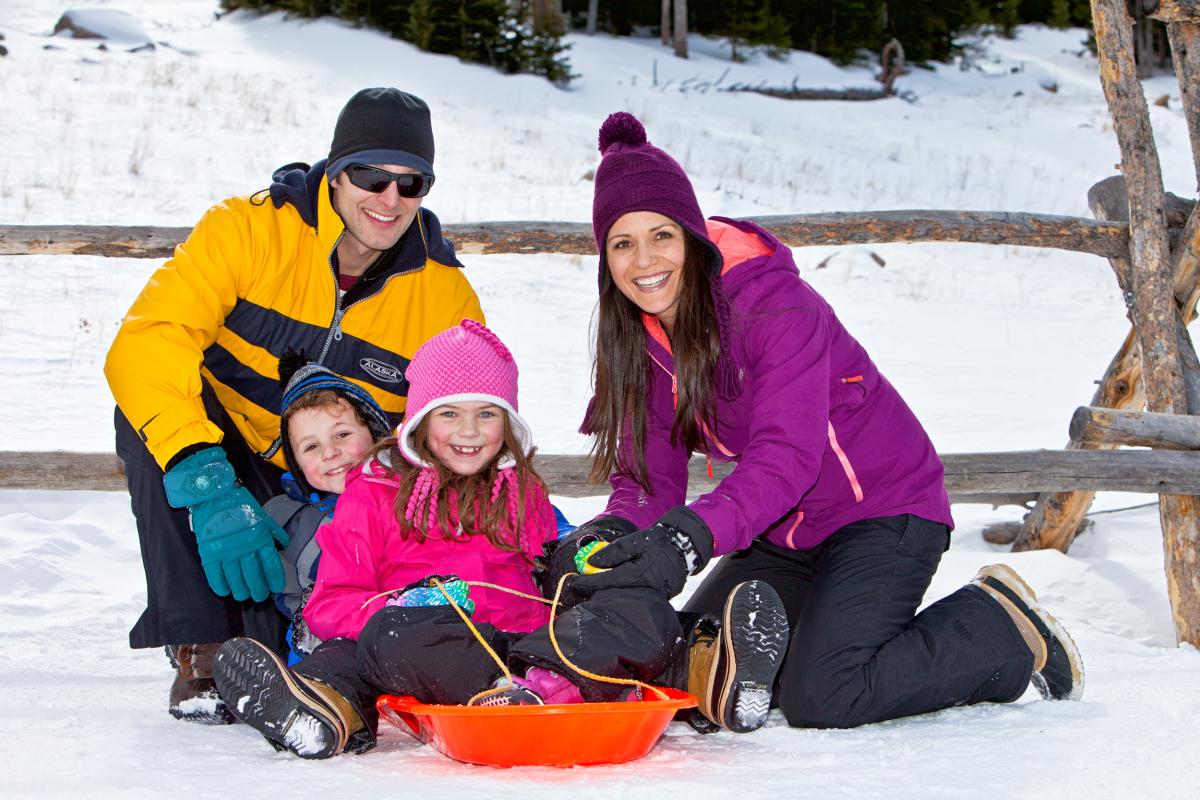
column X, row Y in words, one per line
column 376, row 180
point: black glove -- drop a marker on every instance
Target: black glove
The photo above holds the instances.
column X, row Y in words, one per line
column 560, row 555
column 660, row 557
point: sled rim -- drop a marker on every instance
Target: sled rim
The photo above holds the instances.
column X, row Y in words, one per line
column 407, row 704
column 566, row 735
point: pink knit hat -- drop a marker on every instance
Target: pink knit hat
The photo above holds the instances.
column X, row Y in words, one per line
column 464, row 363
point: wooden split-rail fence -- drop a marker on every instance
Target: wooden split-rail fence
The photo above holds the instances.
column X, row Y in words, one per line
column 1147, row 397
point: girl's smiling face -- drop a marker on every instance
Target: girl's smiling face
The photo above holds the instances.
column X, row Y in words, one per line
column 465, row 436
column 327, row 441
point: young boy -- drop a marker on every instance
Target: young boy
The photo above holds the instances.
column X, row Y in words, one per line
column 326, row 424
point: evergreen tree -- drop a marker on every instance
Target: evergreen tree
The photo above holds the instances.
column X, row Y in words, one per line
column 928, row 28
column 521, row 47
column 750, row 24
column 431, row 25
column 1005, row 15
column 1056, row 13
column 840, row 30
column 1060, row 14
column 493, row 32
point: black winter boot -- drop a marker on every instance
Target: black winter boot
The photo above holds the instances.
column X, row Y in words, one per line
column 194, row 696
column 1057, row 666
column 732, row 669
column 292, row 712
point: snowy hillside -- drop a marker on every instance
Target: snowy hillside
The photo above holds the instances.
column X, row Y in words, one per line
column 992, row 346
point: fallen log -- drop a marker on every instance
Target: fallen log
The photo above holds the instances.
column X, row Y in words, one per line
column 794, row 92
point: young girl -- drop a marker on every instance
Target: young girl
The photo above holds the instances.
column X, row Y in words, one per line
column 454, row 494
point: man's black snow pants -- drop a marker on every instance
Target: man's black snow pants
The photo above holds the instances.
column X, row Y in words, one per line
column 180, row 606
column 857, row 652
column 430, row 653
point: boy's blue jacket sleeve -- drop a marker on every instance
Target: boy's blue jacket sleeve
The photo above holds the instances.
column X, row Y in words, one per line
column 564, row 527
column 301, row 521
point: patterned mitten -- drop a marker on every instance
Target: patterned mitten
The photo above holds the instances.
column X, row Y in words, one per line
column 426, row 593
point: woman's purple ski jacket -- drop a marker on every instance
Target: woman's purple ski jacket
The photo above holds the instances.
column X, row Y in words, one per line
column 819, row 436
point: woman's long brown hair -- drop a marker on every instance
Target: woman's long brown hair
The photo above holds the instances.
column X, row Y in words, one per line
column 621, row 371
column 474, row 511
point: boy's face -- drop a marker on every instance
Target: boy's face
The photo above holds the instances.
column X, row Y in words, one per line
column 326, row 442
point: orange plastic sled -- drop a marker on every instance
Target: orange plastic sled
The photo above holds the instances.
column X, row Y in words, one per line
column 550, row 736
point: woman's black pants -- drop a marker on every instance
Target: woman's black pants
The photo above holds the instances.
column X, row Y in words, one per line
column 859, row 652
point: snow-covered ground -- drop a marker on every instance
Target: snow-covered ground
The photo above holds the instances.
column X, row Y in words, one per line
column 993, row 347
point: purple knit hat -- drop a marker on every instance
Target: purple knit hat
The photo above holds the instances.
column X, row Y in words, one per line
column 466, row 362
column 634, row 175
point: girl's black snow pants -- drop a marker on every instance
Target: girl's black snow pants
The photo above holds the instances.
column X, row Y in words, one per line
column 180, row 606
column 428, row 652
column 859, row 652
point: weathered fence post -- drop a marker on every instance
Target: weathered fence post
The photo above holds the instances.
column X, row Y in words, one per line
column 1185, row 53
column 1153, row 309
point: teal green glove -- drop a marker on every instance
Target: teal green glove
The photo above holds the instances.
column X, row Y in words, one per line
column 233, row 533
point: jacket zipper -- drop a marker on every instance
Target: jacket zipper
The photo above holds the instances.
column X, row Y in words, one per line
column 847, row 467
column 339, row 311
column 333, row 334
column 335, row 326
column 674, row 385
column 712, row 437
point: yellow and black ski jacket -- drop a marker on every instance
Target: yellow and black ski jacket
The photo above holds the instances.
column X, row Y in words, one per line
column 255, row 278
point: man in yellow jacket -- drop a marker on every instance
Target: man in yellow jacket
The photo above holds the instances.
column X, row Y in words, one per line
column 338, row 260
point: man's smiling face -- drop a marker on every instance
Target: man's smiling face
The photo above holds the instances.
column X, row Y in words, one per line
column 374, row 222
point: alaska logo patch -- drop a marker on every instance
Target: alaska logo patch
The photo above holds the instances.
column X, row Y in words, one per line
column 384, row 372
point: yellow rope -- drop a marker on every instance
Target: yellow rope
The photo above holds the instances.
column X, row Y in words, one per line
column 554, row 605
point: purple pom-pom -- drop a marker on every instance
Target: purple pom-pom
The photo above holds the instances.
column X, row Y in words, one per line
column 623, row 128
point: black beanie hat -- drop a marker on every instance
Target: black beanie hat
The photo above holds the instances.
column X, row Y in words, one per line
column 382, row 126
column 298, row 376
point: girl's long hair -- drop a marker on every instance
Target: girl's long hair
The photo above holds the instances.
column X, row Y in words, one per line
column 621, row 371
column 481, row 504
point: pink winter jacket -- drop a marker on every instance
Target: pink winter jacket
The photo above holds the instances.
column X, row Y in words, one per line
column 363, row 554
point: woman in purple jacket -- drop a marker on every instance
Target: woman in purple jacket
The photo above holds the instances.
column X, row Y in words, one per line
column 708, row 340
